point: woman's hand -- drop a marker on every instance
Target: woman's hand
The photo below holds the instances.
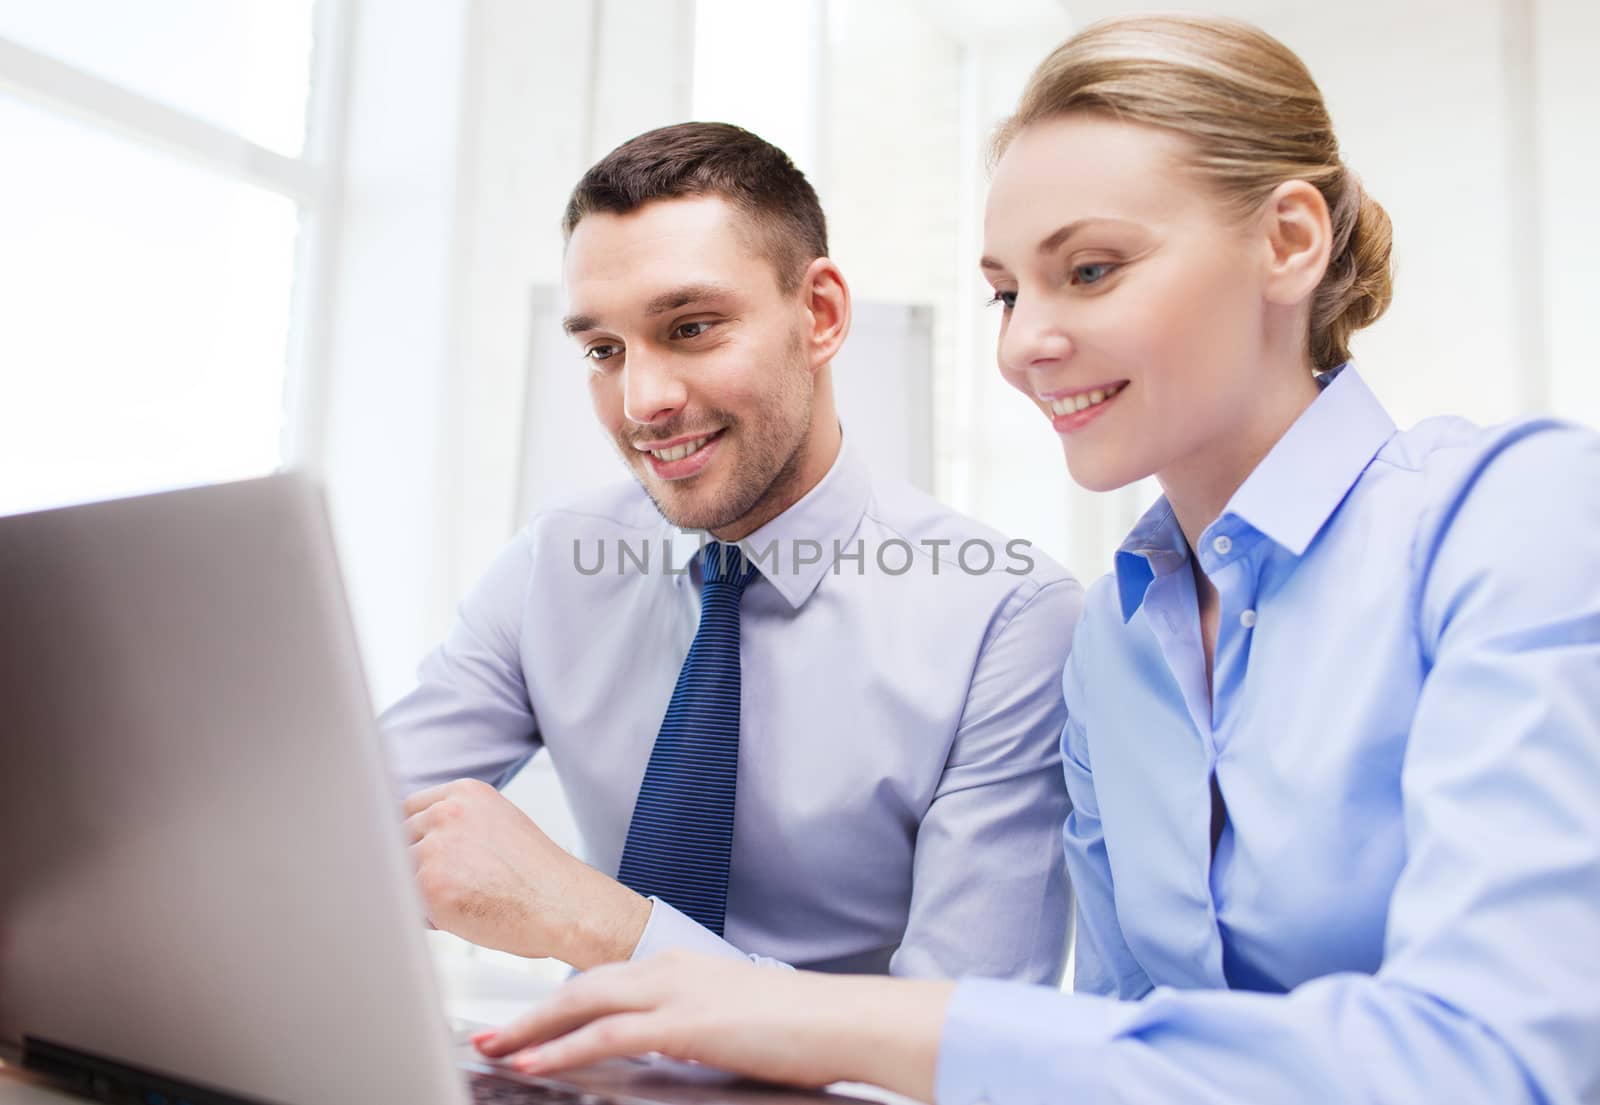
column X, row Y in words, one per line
column 794, row 1027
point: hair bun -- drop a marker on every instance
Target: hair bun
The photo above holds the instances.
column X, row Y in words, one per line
column 1360, row 279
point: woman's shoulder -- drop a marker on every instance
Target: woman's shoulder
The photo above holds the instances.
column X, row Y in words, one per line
column 1494, row 508
column 1452, row 454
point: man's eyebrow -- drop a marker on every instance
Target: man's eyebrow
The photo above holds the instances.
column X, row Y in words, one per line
column 685, row 295
column 1055, row 239
column 669, row 300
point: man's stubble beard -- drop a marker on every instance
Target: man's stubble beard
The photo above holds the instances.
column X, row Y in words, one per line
column 774, row 448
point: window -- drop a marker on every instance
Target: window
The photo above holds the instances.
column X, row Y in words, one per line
column 160, row 215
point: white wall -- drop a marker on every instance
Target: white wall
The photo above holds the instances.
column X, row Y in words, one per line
column 1567, row 46
column 391, row 327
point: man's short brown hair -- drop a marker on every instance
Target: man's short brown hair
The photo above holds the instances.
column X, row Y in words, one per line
column 693, row 159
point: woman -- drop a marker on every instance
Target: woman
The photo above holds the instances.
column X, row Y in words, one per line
column 1334, row 748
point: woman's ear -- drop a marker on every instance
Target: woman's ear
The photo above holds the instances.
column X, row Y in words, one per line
column 1299, row 237
column 827, row 303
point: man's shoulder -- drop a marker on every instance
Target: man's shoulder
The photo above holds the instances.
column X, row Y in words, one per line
column 619, row 508
column 934, row 528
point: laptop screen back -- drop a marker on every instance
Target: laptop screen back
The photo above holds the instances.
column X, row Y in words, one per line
column 201, row 867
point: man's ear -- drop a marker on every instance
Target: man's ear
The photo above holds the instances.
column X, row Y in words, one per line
column 826, row 298
column 1299, row 238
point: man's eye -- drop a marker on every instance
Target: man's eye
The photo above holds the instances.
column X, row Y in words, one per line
column 602, row 352
column 1005, row 300
column 691, row 329
column 1091, row 273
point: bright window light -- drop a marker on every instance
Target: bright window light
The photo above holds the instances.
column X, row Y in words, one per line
column 147, row 312
column 754, row 66
column 244, row 65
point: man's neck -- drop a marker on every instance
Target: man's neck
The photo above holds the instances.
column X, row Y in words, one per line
column 813, row 461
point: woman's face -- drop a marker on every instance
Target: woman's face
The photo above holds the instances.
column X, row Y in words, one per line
column 1134, row 307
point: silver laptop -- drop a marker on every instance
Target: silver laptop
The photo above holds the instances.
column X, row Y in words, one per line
column 204, row 892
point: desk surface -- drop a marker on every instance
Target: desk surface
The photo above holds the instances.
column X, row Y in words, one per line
column 17, row 1088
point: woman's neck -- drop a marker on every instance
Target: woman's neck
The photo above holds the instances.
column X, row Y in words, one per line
column 1199, row 485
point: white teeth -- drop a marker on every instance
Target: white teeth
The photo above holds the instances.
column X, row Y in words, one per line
column 1083, row 400
column 678, row 452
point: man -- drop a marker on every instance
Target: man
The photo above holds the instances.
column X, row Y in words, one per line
column 875, row 677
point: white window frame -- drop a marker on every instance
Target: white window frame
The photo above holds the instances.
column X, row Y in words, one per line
column 311, row 180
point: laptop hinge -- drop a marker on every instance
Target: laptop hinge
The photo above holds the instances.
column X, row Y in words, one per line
column 107, row 1080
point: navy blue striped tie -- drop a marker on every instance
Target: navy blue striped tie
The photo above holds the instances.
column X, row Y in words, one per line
column 681, row 837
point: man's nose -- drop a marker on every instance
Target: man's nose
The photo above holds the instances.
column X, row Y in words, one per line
column 651, row 388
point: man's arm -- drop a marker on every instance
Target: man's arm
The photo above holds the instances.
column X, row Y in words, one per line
column 990, row 895
column 469, row 715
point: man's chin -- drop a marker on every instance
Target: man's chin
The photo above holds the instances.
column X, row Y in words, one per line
column 688, row 506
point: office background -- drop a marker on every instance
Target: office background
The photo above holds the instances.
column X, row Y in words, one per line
column 236, row 234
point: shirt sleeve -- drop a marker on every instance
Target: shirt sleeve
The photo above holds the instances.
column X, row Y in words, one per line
column 469, row 715
column 989, row 893
column 1489, row 990
column 669, row 928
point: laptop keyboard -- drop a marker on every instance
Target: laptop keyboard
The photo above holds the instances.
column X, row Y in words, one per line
column 489, row 1090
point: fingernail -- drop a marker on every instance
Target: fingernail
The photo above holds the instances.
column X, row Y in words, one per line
column 527, row 1062
column 484, row 1037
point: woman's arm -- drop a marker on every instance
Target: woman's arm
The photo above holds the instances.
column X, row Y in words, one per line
column 784, row 1026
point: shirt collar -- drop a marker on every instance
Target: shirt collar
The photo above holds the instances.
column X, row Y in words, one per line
column 1155, row 547
column 831, row 511
column 1288, row 498
column 1296, row 488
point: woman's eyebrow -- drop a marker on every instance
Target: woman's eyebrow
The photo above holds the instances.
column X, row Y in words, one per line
column 1059, row 237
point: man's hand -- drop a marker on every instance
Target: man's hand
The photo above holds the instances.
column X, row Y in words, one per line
column 488, row 874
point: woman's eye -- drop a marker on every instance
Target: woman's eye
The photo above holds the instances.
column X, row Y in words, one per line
column 1005, row 300
column 601, row 352
column 1092, row 273
column 691, row 329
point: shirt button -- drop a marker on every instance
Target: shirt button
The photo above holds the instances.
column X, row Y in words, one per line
column 1247, row 618
column 1223, row 544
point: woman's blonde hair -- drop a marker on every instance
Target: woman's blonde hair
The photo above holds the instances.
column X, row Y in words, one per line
column 1254, row 119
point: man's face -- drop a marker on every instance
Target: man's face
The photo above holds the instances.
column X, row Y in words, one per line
column 697, row 360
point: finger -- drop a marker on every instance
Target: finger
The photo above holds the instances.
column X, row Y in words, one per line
column 416, row 826
column 422, row 799
column 602, row 992
column 607, row 1038
column 418, row 860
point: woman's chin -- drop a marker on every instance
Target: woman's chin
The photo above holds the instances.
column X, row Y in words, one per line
column 1095, row 470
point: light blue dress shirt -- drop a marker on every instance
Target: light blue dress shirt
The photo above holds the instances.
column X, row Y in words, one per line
column 1404, row 905
column 900, row 790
